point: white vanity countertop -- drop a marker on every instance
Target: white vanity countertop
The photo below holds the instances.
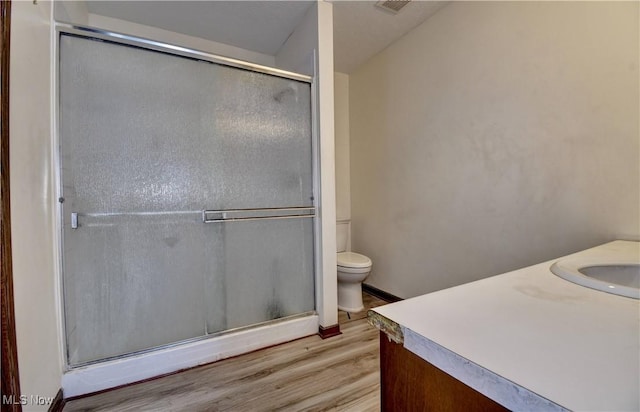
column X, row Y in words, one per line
column 531, row 340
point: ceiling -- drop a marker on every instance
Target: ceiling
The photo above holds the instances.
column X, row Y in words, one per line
column 360, row 29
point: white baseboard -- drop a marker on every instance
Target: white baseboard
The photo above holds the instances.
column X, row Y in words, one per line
column 110, row 374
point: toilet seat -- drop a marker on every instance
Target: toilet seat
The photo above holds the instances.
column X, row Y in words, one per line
column 352, row 260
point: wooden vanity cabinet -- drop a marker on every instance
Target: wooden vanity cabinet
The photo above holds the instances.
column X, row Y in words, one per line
column 409, row 383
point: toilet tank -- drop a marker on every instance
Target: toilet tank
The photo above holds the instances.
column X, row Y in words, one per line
column 342, row 235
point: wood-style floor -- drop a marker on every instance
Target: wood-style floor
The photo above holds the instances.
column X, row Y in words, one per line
column 310, row 374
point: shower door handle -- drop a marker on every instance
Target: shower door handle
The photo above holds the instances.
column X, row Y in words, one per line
column 74, row 220
column 230, row 215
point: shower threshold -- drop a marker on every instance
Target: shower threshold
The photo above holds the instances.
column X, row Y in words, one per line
column 123, row 370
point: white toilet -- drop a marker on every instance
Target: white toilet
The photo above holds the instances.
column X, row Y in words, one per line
column 353, row 268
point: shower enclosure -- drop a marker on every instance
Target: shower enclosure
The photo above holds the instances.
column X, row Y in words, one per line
column 187, row 197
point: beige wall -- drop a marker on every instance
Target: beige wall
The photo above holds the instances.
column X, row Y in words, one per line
column 494, row 136
column 297, row 53
column 343, row 178
column 71, row 11
column 32, row 202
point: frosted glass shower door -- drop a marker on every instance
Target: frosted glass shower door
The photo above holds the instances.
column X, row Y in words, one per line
column 186, row 197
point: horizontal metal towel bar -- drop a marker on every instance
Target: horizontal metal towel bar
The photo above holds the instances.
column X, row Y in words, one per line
column 230, row 215
column 162, row 213
column 212, row 216
column 75, row 215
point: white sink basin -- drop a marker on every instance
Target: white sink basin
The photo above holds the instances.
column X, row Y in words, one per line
column 620, row 277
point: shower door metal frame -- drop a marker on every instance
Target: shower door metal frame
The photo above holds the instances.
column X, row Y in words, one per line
column 221, row 216
column 144, row 43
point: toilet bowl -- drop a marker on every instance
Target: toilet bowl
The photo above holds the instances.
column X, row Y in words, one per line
column 353, row 269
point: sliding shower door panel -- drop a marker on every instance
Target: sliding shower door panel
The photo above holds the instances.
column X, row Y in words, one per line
column 149, row 142
column 262, row 125
column 136, row 265
column 133, row 282
column 268, row 266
